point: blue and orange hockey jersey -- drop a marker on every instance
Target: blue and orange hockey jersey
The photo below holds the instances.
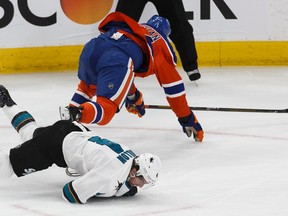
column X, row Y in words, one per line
column 160, row 58
column 109, row 63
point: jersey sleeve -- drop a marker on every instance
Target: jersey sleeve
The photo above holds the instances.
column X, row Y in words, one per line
column 81, row 189
column 174, row 89
column 93, row 184
column 170, row 80
column 106, row 181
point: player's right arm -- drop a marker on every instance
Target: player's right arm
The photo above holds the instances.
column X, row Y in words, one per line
column 173, row 86
column 85, row 187
column 134, row 102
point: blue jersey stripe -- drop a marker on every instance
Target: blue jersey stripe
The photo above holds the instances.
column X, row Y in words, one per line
column 174, row 89
column 98, row 112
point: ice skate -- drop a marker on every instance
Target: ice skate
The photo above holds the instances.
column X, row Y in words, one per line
column 70, row 113
column 5, row 98
column 194, row 75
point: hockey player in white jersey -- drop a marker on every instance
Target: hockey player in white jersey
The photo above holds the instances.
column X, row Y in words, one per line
column 105, row 168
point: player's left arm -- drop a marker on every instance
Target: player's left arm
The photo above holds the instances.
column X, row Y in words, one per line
column 174, row 89
column 87, row 186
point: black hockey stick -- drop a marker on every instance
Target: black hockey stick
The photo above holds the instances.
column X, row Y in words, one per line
column 222, row 109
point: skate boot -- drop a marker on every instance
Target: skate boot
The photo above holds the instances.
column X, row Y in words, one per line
column 194, row 75
column 5, row 98
column 70, row 113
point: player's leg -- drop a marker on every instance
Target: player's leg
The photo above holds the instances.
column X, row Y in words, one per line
column 6, row 170
column 87, row 72
column 43, row 150
column 21, row 120
column 131, row 8
column 88, row 75
column 5, row 99
column 113, row 86
column 39, row 153
column 110, row 69
column 181, row 34
column 84, row 93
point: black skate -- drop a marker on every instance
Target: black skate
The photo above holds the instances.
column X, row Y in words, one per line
column 70, row 113
column 194, row 75
column 5, row 98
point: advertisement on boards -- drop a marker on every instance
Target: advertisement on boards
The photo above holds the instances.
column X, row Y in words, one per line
column 26, row 23
column 50, row 22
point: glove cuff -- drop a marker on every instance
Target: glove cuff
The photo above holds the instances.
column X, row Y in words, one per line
column 186, row 119
column 135, row 97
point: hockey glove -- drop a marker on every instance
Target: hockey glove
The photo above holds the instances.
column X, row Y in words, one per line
column 190, row 125
column 71, row 113
column 135, row 104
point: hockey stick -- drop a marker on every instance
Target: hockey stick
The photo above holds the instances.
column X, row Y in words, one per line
column 222, row 109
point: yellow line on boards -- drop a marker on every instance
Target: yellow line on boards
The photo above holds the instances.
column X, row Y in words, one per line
column 243, row 53
column 236, row 53
column 35, row 59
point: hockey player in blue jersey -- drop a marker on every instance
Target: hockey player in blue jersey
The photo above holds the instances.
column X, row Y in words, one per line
column 105, row 168
column 107, row 67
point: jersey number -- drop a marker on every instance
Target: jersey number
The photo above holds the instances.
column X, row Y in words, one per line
column 112, row 145
column 123, row 156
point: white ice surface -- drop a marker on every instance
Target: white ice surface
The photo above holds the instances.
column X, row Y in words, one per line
column 241, row 168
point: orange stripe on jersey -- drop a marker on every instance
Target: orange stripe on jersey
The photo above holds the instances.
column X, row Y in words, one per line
column 123, row 90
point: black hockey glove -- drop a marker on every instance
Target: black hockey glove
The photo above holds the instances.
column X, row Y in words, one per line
column 190, row 125
column 131, row 192
column 136, row 105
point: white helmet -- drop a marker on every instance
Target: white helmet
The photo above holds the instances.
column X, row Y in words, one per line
column 149, row 167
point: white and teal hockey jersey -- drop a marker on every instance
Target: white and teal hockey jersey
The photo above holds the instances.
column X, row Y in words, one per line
column 104, row 167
